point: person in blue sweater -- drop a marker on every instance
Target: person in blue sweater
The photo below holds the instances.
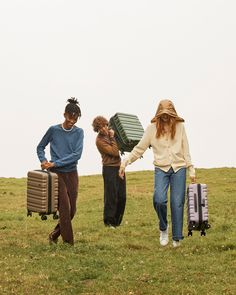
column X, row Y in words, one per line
column 66, row 146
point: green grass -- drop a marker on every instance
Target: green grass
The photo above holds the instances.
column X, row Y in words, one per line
column 127, row 260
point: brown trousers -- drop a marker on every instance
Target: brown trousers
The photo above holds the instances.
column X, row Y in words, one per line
column 68, row 191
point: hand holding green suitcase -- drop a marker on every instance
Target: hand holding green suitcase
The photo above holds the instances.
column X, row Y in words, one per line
column 128, row 130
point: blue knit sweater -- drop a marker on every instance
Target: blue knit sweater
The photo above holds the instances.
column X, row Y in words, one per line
column 65, row 147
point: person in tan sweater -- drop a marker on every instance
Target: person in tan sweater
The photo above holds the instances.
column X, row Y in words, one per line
column 167, row 137
column 114, row 186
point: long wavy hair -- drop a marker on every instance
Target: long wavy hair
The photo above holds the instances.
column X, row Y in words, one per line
column 160, row 127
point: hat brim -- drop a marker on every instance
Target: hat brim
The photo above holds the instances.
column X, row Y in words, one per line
column 177, row 118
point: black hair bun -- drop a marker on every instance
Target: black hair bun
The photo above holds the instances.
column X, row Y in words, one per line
column 73, row 100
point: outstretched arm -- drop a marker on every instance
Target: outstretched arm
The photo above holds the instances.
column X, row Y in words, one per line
column 137, row 151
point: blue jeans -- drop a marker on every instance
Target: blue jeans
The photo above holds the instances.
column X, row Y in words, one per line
column 177, row 183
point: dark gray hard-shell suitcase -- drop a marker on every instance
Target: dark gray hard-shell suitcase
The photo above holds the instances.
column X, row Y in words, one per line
column 197, row 208
column 42, row 193
column 128, row 130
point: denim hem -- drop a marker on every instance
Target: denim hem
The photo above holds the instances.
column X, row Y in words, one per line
column 177, row 239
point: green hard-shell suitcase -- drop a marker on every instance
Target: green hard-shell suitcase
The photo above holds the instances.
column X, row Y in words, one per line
column 128, row 130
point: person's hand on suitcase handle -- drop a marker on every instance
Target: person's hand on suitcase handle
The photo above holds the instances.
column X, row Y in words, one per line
column 47, row 165
column 111, row 133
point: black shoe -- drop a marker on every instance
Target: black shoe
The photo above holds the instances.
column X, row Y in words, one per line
column 51, row 240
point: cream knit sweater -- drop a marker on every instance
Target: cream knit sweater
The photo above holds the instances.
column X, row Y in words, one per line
column 167, row 152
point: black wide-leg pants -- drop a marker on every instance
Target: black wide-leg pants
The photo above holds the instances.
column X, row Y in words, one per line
column 114, row 195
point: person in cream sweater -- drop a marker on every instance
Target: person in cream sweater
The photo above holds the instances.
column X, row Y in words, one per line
column 167, row 137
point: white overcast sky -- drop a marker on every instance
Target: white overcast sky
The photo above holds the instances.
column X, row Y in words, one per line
column 116, row 56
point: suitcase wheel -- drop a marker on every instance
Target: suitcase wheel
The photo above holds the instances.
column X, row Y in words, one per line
column 44, row 217
column 190, row 233
column 207, row 225
column 29, row 213
column 203, row 233
column 192, row 225
column 55, row 216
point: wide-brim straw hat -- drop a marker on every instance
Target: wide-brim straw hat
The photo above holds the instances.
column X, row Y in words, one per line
column 166, row 106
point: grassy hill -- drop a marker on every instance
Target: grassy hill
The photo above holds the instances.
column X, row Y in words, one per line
column 127, row 260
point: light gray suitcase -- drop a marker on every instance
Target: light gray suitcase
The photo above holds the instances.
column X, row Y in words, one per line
column 197, row 207
column 42, row 193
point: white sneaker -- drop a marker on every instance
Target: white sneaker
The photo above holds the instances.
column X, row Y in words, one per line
column 176, row 244
column 164, row 240
column 111, row 226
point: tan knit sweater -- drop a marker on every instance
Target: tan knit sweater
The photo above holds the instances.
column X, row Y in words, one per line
column 167, row 152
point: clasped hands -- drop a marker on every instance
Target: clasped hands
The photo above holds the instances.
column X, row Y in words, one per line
column 47, row 165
